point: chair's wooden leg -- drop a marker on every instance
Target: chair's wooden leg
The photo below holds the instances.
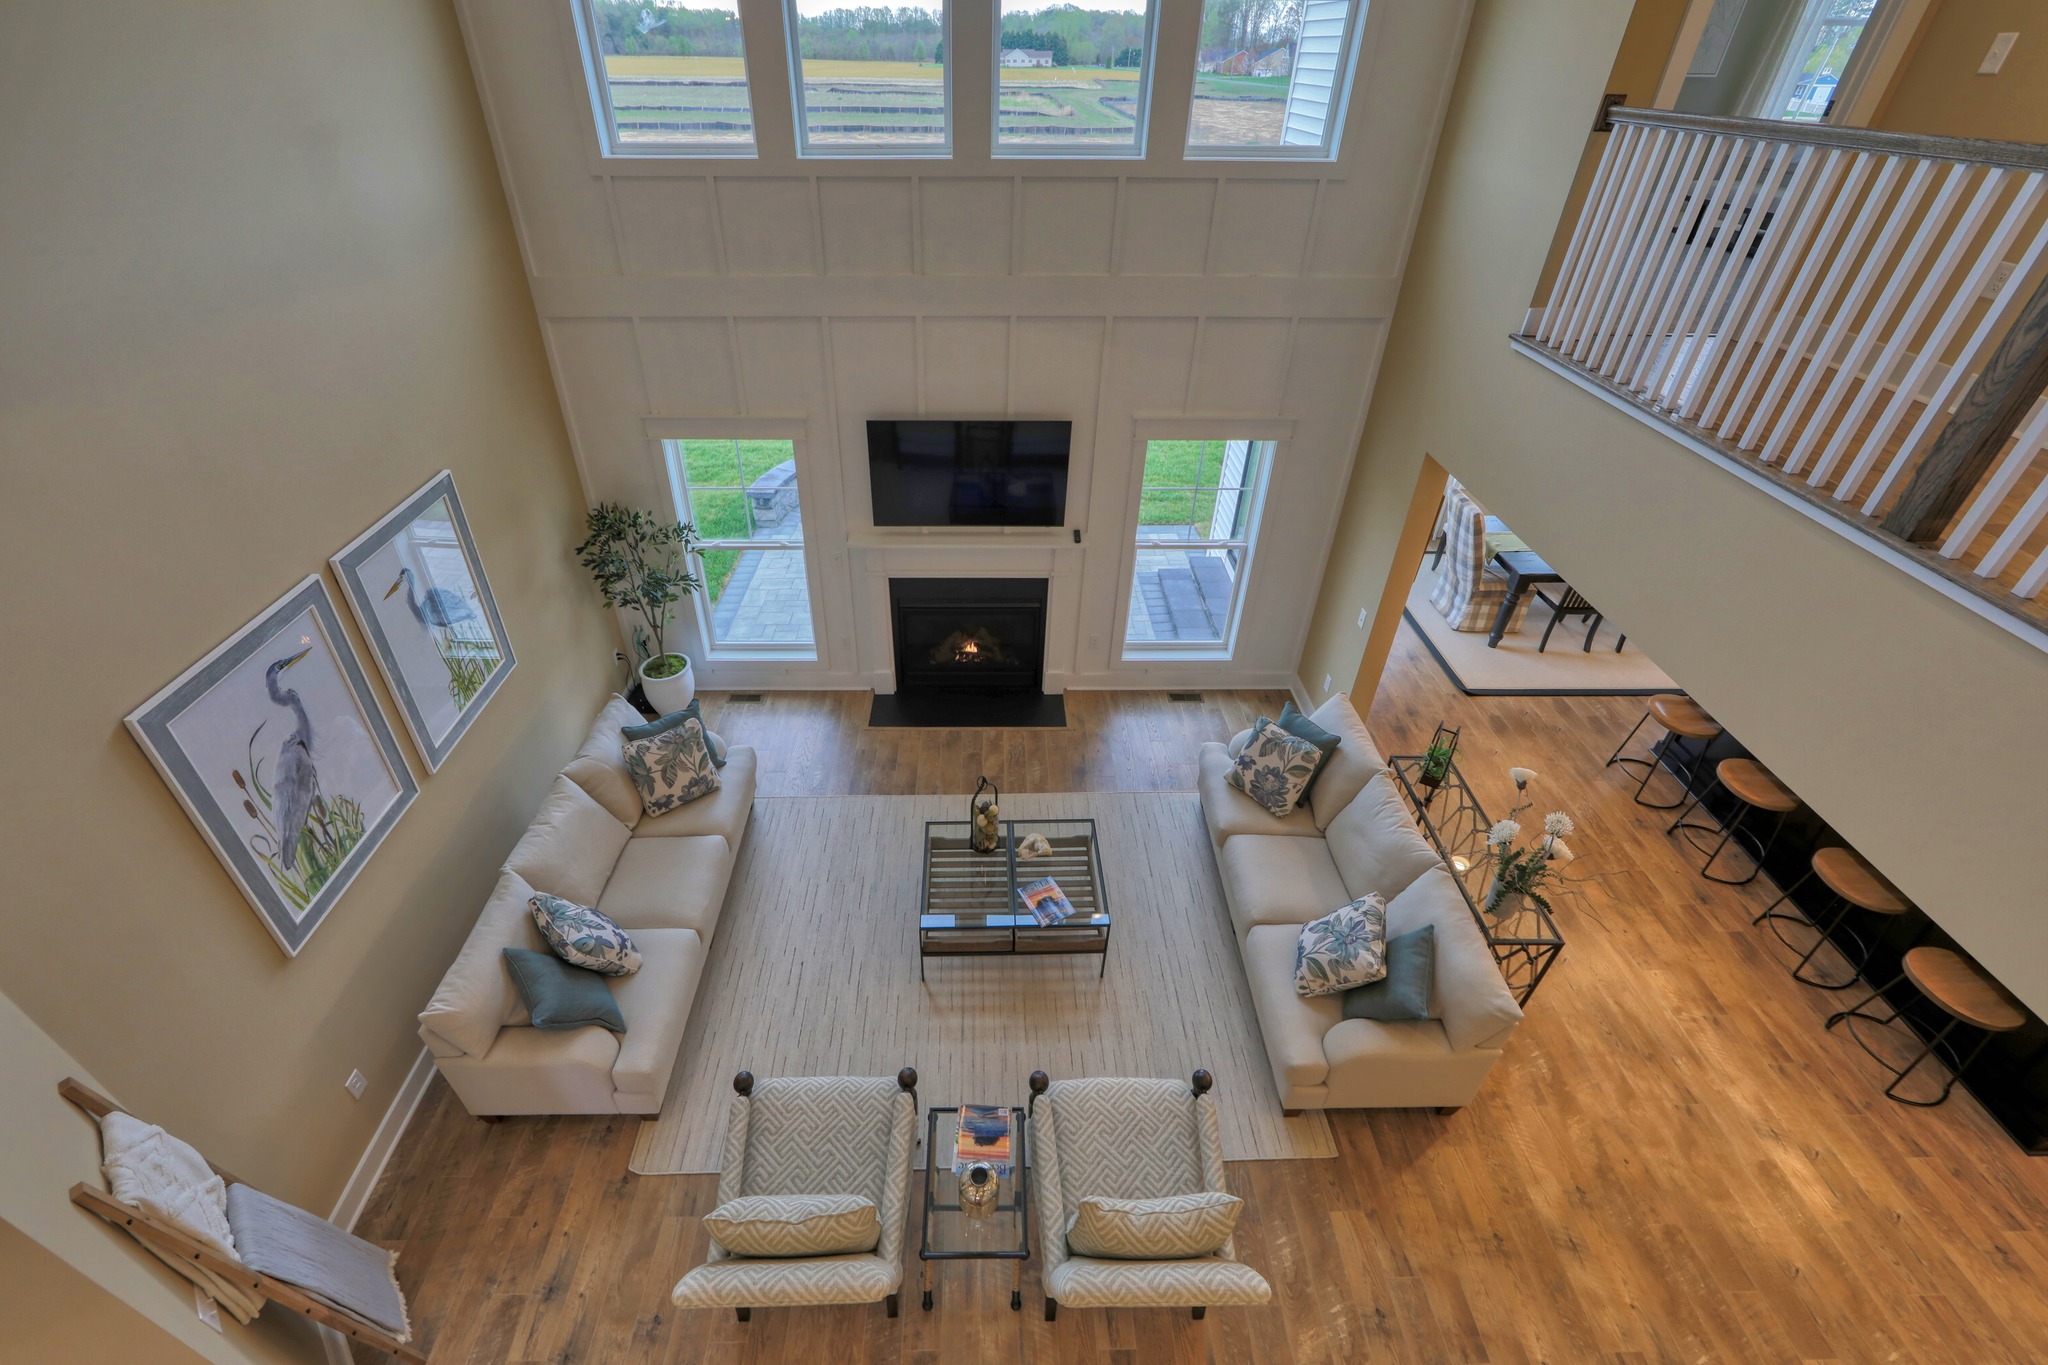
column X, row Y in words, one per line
column 1446, row 1110
column 1052, row 1308
column 889, row 1305
column 1290, row 1113
column 1199, row 1314
column 743, row 1314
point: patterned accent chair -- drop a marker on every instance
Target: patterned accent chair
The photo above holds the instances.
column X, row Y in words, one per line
column 1469, row 588
column 813, row 1135
column 1129, row 1139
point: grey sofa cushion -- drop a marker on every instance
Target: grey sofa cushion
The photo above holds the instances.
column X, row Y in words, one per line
column 561, row 996
column 335, row 1267
column 1374, row 841
column 1347, row 771
column 1408, row 990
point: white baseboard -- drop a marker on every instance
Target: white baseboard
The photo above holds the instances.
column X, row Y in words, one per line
column 355, row 1195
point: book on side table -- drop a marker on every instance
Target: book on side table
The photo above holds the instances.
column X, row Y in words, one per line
column 984, row 1136
column 1046, row 902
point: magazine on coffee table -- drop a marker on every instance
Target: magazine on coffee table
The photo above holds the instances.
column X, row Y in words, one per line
column 984, row 1136
column 1046, row 902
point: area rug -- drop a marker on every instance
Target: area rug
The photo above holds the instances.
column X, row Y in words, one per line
column 1517, row 670
column 813, row 972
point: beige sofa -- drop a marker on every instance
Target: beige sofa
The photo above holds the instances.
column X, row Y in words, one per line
column 1353, row 835
column 662, row 879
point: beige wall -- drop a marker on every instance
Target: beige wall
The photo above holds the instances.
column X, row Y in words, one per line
column 1910, row 724
column 51, row 1312
column 257, row 284
column 1939, row 91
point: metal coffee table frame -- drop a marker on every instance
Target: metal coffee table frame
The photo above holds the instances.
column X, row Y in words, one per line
column 967, row 904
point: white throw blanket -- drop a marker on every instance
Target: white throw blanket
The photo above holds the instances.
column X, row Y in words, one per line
column 168, row 1179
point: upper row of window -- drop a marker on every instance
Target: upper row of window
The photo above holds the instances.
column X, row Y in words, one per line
column 1071, row 79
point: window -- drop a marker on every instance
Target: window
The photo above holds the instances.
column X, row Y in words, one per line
column 870, row 81
column 1071, row 79
column 1818, row 46
column 1271, row 77
column 742, row 498
column 1198, row 510
column 665, row 80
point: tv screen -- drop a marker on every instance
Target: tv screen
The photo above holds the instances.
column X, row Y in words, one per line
column 969, row 473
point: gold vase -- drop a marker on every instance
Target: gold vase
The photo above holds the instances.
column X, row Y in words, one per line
column 982, row 813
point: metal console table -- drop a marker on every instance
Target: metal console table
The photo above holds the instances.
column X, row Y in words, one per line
column 1524, row 938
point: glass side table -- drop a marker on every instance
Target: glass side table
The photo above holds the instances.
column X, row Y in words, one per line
column 949, row 1234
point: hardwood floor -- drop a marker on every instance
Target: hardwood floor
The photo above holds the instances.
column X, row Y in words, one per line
column 1674, row 1163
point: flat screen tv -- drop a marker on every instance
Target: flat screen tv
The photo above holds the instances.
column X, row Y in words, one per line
column 969, row 473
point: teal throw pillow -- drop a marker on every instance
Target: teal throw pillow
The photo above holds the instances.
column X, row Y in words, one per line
column 670, row 722
column 1301, row 727
column 584, row 937
column 560, row 996
column 1408, row 989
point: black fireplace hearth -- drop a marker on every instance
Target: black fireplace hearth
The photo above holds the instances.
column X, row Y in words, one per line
column 968, row 652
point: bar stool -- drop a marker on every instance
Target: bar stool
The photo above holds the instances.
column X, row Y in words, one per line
column 1754, row 786
column 1857, row 886
column 1680, row 716
column 1959, row 988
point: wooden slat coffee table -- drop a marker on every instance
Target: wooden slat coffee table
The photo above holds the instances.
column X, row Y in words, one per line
column 969, row 906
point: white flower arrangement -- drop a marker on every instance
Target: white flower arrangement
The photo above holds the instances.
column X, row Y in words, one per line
column 1557, row 824
column 1503, row 833
column 1522, row 777
column 1524, row 872
column 1556, row 850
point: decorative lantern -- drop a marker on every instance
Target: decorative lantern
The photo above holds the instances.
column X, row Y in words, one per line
column 979, row 1191
column 981, row 817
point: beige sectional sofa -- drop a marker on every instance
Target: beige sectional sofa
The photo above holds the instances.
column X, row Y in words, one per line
column 1353, row 835
column 662, row 879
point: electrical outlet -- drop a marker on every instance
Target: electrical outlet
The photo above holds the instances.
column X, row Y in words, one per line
column 208, row 1310
column 1995, row 58
column 1995, row 286
column 1326, row 684
column 618, row 656
column 356, row 1084
column 1364, row 615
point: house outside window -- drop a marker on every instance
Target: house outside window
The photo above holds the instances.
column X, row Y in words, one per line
column 1271, row 81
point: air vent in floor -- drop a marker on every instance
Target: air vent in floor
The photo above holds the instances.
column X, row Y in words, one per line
column 1184, row 696
column 739, row 697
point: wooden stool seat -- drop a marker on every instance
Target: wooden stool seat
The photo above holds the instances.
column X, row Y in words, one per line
column 1683, row 716
column 1753, row 784
column 1959, row 987
column 1844, row 872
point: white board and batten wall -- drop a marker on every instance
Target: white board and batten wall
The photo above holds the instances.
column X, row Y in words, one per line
column 803, row 296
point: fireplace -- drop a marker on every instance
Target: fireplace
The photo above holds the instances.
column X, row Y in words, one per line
column 969, row 651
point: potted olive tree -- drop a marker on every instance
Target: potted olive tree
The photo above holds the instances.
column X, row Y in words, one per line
column 640, row 564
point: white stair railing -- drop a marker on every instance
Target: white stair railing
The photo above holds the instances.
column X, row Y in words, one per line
column 1818, row 301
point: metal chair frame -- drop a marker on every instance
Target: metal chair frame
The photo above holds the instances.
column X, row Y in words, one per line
column 1658, row 752
column 1732, row 830
column 1957, row 1063
column 1835, row 922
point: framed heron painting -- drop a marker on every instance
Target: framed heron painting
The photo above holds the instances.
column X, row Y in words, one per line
column 418, row 590
column 275, row 748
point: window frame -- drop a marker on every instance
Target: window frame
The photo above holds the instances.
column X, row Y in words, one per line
column 1346, row 75
column 597, row 86
column 1050, row 151
column 1274, row 435
column 855, row 151
column 667, row 437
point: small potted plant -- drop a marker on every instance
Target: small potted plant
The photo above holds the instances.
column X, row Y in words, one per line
column 638, row 561
column 1436, row 759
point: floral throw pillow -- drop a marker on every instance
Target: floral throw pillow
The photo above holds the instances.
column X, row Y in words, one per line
column 1274, row 769
column 1345, row 948
column 584, row 937
column 673, row 767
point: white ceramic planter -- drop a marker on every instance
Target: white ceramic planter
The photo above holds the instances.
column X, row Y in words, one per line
column 671, row 694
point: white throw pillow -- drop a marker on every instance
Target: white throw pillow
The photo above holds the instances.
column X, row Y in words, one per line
column 1274, row 769
column 1176, row 1228
column 1345, row 948
column 795, row 1225
column 165, row 1178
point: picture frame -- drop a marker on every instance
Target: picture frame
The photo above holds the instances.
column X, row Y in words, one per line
column 416, row 586
column 279, row 753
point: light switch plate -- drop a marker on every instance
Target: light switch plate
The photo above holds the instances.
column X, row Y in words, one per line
column 356, row 1084
column 1364, row 613
column 1995, row 58
column 1326, row 684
